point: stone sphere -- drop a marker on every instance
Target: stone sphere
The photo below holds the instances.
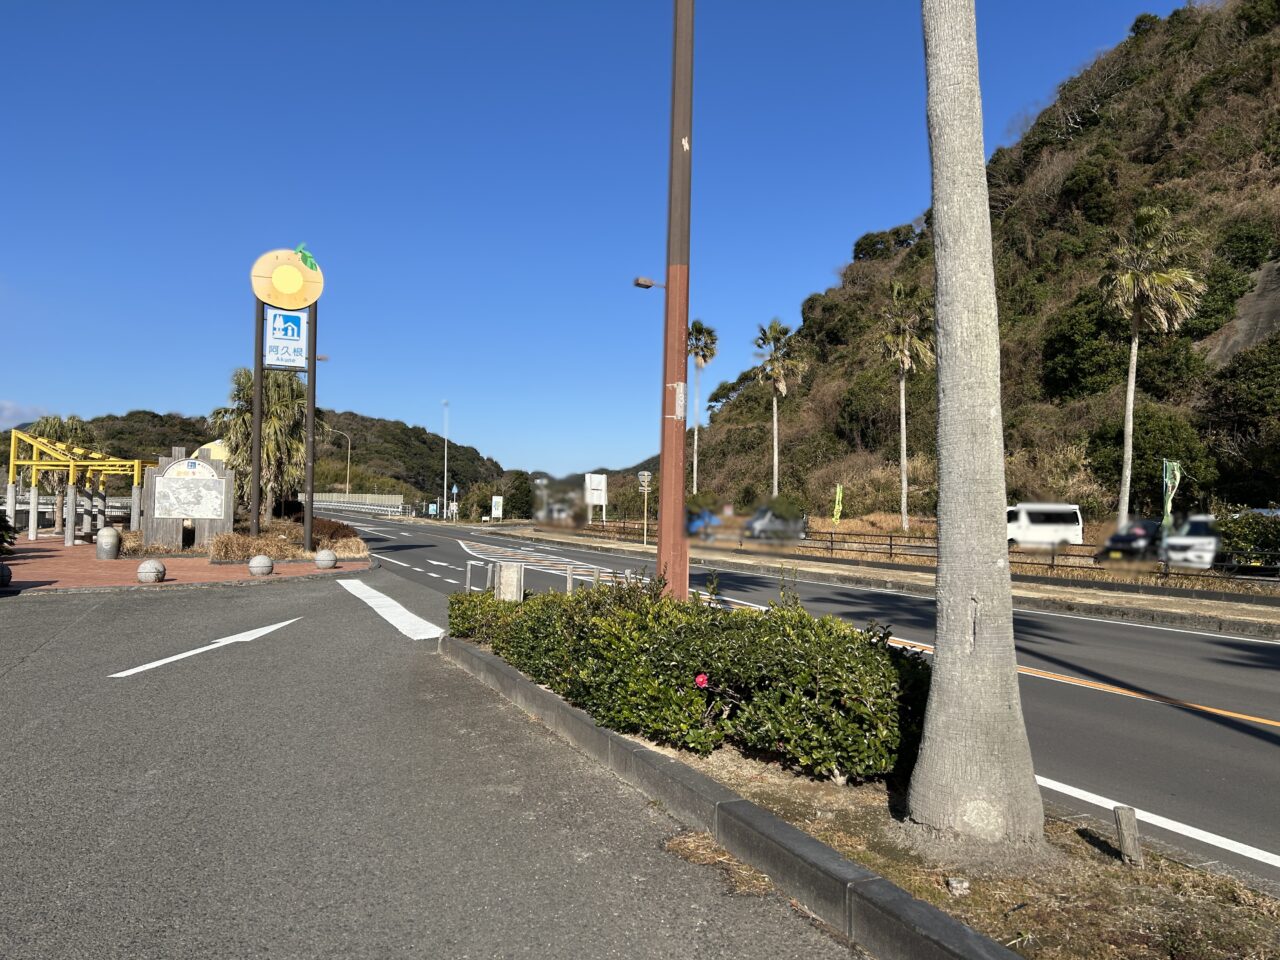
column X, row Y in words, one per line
column 326, row 560
column 150, row 571
column 6, row 575
column 261, row 565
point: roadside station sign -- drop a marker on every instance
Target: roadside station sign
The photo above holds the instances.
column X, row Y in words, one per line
column 284, row 343
column 496, row 508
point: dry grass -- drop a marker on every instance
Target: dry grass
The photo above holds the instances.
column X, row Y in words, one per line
column 131, row 547
column 281, row 540
column 701, row 848
column 1079, row 902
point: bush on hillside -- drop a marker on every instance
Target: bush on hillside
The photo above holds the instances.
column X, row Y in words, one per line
column 1246, row 532
column 1159, row 433
column 819, row 695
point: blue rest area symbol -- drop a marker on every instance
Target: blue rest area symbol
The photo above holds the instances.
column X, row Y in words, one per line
column 286, row 326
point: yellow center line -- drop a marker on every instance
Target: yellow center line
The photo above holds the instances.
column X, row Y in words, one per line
column 1111, row 688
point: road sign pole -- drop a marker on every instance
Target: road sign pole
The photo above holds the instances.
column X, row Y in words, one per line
column 673, row 548
column 255, row 446
column 308, row 504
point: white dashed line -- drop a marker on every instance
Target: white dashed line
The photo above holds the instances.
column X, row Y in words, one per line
column 418, row 570
column 389, row 560
column 447, row 580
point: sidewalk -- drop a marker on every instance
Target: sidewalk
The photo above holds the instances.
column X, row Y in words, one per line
column 1216, row 615
column 48, row 564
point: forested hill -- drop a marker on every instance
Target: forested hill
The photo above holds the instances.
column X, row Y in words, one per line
column 386, row 455
column 1184, row 114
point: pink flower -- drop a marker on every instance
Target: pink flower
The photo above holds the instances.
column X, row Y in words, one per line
column 701, row 681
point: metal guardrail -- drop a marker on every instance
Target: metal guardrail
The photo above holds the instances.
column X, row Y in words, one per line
column 903, row 548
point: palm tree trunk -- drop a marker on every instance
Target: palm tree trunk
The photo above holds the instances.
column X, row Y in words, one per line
column 973, row 777
column 902, row 443
column 775, row 444
column 1126, row 469
column 59, row 503
column 697, row 377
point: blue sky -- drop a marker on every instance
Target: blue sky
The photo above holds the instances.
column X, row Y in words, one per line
column 479, row 181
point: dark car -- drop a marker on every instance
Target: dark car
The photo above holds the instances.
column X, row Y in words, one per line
column 1137, row 540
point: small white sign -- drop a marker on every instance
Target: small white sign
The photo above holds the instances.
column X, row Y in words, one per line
column 284, row 344
column 495, row 509
column 597, row 489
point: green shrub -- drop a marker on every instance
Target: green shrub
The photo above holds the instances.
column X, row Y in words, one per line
column 1248, row 244
column 1245, row 532
column 817, row 694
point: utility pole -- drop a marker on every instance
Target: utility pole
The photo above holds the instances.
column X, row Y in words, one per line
column 348, row 436
column 444, row 499
column 673, row 548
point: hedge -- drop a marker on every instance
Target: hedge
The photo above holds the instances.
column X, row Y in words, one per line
column 816, row 694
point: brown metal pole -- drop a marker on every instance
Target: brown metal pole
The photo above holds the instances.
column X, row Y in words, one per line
column 673, row 547
column 308, row 501
column 255, row 446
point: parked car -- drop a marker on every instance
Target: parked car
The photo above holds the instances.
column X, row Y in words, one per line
column 767, row 525
column 1044, row 524
column 699, row 523
column 1194, row 543
column 1137, row 540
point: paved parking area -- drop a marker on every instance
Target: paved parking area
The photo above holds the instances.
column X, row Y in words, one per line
column 326, row 789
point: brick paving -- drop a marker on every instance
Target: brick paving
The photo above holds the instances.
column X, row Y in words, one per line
column 47, row 564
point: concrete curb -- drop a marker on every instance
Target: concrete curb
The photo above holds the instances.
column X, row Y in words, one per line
column 871, row 911
column 1155, row 617
column 31, row 592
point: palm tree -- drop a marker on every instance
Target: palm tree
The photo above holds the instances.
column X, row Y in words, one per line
column 1148, row 282
column 906, row 344
column 778, row 365
column 702, row 348
column 72, row 431
column 973, row 777
column 284, row 452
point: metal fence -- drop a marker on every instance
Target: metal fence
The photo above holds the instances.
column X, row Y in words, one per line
column 906, row 549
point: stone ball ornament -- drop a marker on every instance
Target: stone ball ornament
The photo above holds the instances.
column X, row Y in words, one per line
column 261, row 566
column 326, row 560
column 289, row 279
column 150, row 571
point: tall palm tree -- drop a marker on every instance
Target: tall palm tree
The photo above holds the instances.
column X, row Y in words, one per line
column 778, row 366
column 973, row 777
column 702, row 348
column 284, row 410
column 72, row 431
column 1148, row 282
column 907, row 344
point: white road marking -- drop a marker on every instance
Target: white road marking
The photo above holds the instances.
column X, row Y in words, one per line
column 1145, row 626
column 1164, row 823
column 410, row 624
column 437, row 563
column 447, row 580
column 238, row 638
column 430, row 574
column 388, row 559
column 406, row 534
column 418, row 570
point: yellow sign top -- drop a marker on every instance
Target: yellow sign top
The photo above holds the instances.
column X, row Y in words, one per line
column 289, row 279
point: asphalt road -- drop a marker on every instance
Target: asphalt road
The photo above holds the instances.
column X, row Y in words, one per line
column 1100, row 728
column 325, row 790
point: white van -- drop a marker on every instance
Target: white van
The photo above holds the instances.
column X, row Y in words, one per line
column 1044, row 524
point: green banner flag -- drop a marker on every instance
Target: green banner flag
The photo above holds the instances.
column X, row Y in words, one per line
column 835, row 517
column 1171, row 476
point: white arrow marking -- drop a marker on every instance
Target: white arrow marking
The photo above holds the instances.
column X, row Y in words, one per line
column 238, row 638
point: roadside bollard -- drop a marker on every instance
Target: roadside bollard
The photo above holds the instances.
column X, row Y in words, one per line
column 150, row 571
column 597, row 577
column 326, row 560
column 568, row 580
column 107, row 543
column 261, row 566
column 6, row 576
column 488, row 577
column 510, row 582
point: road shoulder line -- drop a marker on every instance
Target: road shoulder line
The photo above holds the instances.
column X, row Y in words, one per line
column 409, row 624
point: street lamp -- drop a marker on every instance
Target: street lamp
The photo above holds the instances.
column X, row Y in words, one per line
column 444, row 499
column 348, row 436
column 644, row 283
column 645, row 476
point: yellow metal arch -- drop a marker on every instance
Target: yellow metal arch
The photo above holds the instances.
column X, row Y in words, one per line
column 53, row 456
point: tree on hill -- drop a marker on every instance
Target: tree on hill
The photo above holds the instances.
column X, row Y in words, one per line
column 284, row 448
column 906, row 343
column 702, row 348
column 1148, row 281
column 517, row 504
column 72, row 431
column 778, row 366
column 974, row 778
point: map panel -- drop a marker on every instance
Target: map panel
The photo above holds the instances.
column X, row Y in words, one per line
column 194, row 498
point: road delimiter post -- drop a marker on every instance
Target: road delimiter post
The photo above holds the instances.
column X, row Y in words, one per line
column 69, row 514
column 135, row 508
column 11, row 504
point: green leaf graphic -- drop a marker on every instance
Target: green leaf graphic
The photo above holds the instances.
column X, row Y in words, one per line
column 304, row 254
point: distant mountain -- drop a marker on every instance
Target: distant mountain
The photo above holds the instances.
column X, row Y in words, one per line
column 387, row 456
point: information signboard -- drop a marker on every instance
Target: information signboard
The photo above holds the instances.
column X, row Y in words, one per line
column 284, row 343
column 496, row 510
